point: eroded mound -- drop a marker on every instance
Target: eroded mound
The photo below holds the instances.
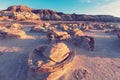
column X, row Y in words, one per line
column 51, row 59
column 12, row 31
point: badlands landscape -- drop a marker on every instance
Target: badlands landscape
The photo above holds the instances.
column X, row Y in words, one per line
column 24, row 35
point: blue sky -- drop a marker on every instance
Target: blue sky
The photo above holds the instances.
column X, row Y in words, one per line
column 107, row 7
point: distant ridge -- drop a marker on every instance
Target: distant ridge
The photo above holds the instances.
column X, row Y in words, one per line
column 46, row 14
column 19, row 8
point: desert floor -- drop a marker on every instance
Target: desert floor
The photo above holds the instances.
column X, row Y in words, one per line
column 101, row 64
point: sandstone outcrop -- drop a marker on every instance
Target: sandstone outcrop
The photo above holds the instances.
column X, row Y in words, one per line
column 15, row 26
column 20, row 12
column 20, row 8
column 57, row 52
column 47, row 14
column 25, row 16
column 39, row 28
column 12, row 31
column 78, row 32
column 54, row 59
column 53, row 15
column 8, row 33
column 61, row 35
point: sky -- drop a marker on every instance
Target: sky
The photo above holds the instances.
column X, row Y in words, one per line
column 90, row 7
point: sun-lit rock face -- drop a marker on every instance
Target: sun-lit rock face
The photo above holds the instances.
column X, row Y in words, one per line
column 25, row 16
column 78, row 32
column 61, row 35
column 20, row 12
column 47, row 14
column 19, row 15
column 12, row 31
column 38, row 28
column 57, row 52
column 8, row 33
column 15, row 26
column 20, row 8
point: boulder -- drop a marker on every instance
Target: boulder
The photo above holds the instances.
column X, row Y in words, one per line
column 46, row 24
column 53, row 59
column 2, row 28
column 15, row 26
column 78, row 32
column 85, row 27
column 57, row 52
column 65, row 37
column 8, row 33
column 117, row 27
column 63, row 27
column 58, row 36
column 12, row 31
column 60, row 33
column 38, row 28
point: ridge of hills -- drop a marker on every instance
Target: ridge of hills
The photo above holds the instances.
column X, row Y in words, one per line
column 46, row 14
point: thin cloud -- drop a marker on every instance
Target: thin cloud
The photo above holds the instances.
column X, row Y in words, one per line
column 112, row 8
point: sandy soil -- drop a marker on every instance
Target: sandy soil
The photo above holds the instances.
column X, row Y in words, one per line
column 101, row 64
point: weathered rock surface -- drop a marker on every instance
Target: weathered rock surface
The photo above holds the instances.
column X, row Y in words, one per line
column 53, row 15
column 61, row 35
column 12, row 31
column 57, row 52
column 47, row 14
column 8, row 33
column 39, row 28
column 20, row 12
column 78, row 32
column 15, row 26
column 19, row 15
column 20, row 8
column 25, row 16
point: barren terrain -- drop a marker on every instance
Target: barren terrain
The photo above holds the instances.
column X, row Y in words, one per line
column 101, row 64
